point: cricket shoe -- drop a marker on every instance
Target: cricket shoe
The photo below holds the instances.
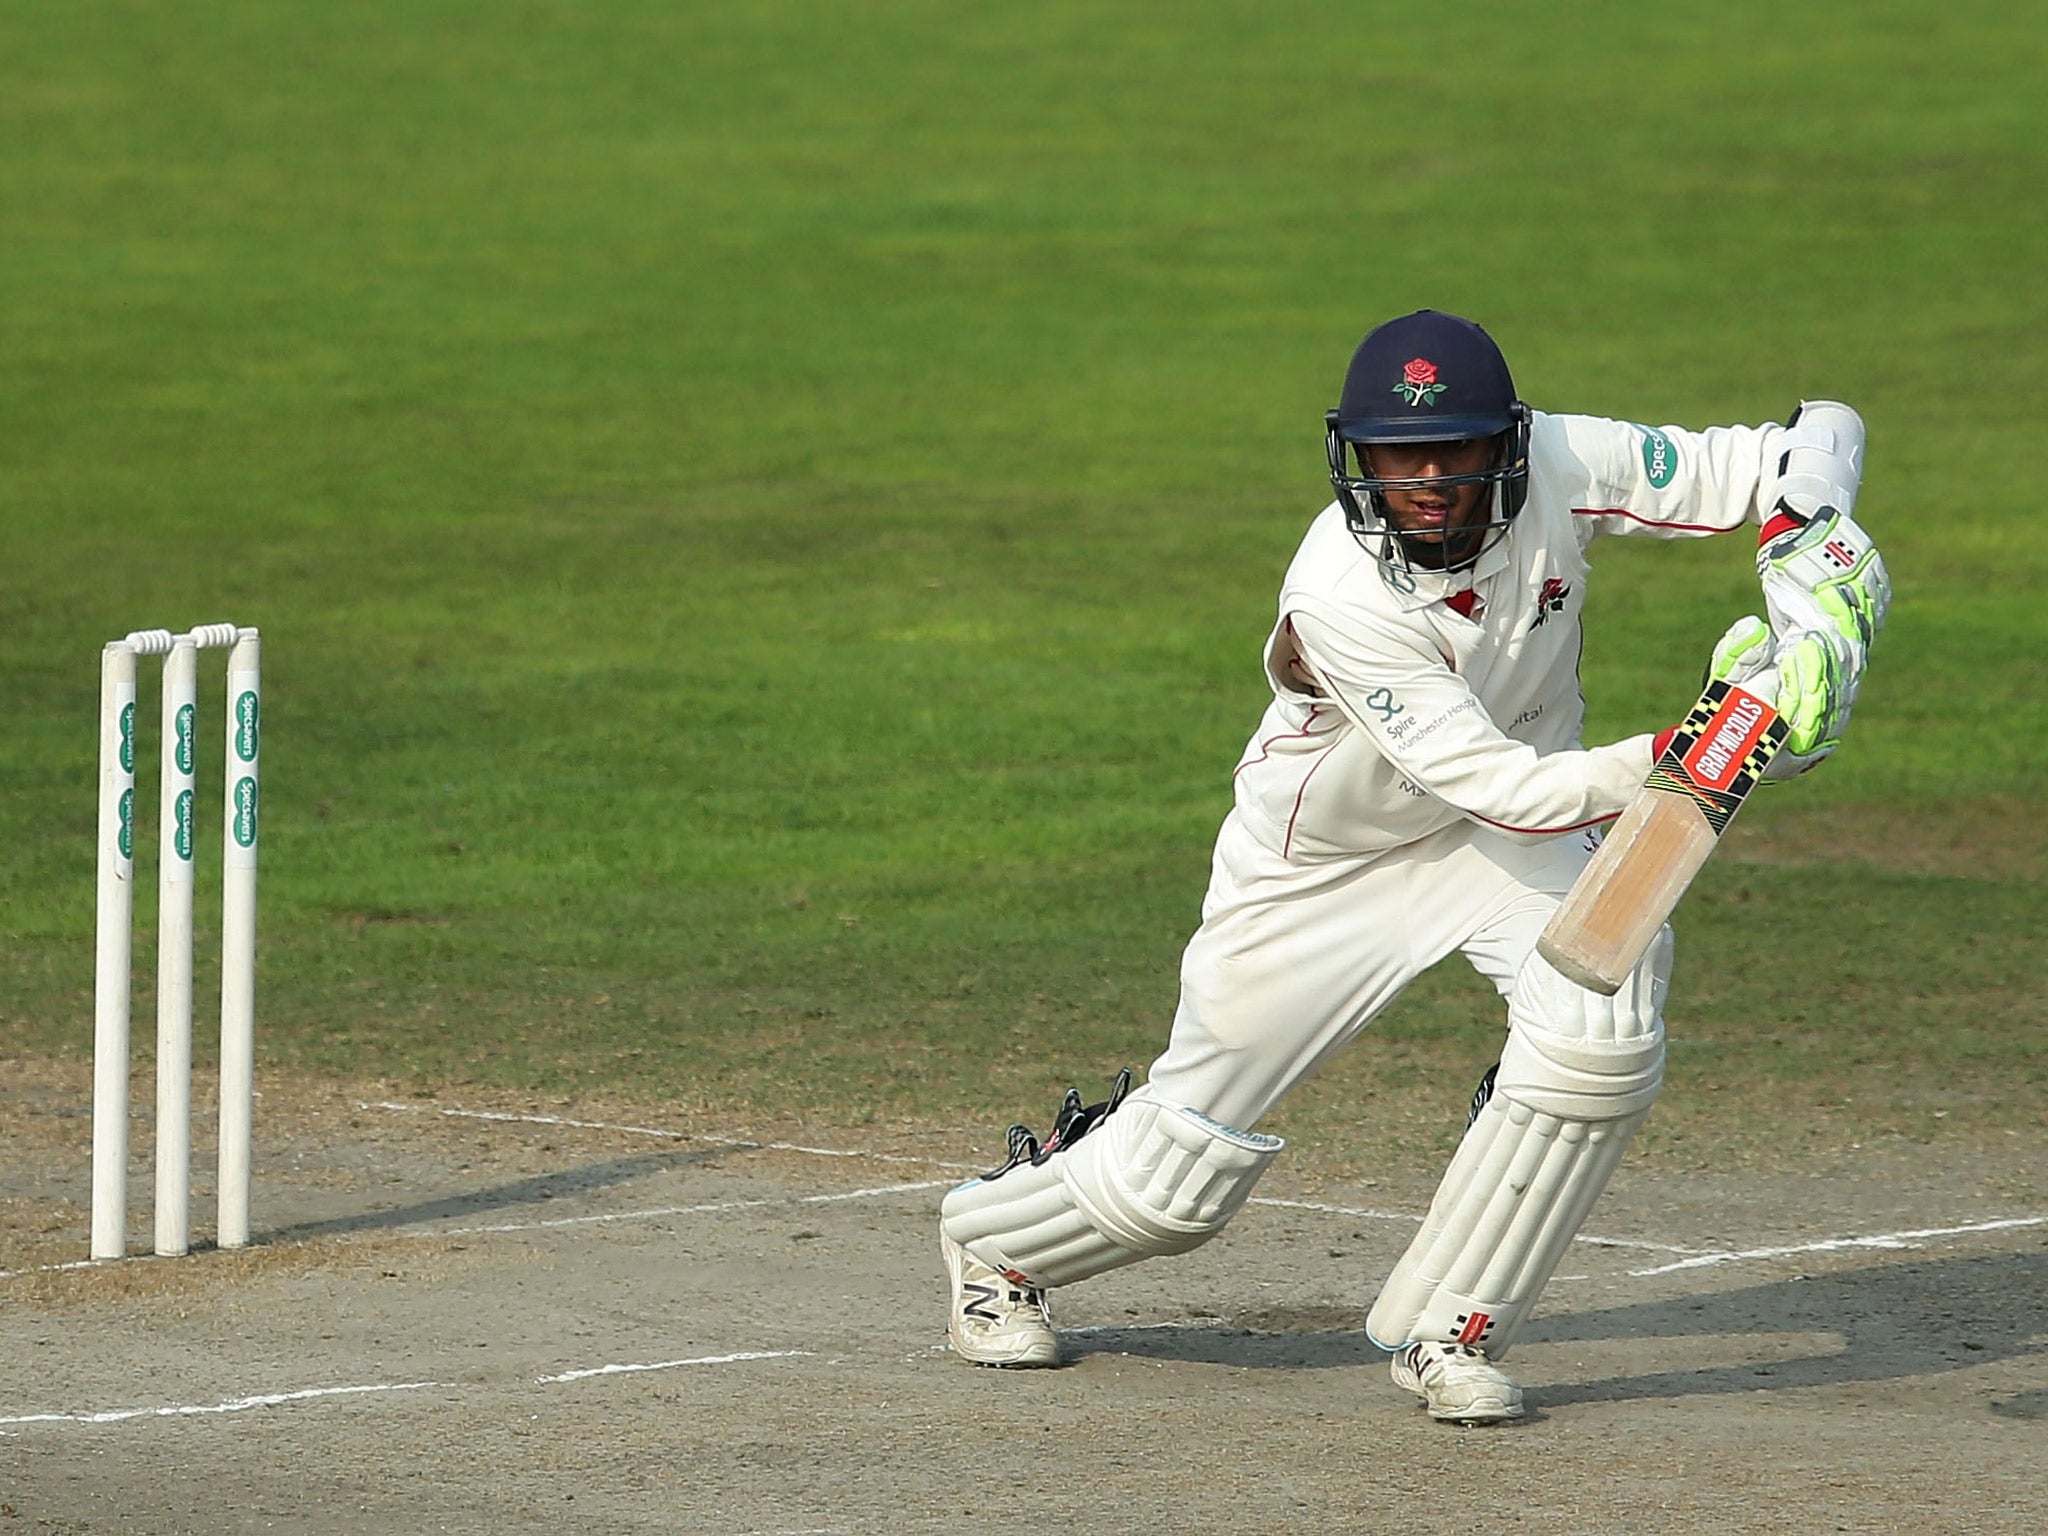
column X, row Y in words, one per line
column 1457, row 1383
column 996, row 1320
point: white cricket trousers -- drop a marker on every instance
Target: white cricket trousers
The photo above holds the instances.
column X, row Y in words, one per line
column 1293, row 959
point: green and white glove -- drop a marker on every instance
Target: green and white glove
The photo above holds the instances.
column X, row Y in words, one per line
column 1811, row 676
column 1824, row 573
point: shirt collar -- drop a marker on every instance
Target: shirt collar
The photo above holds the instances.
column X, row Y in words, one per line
column 1412, row 589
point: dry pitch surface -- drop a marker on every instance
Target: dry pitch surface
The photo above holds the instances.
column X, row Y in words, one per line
column 454, row 1323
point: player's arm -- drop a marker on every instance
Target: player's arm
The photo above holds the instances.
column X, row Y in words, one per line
column 1660, row 482
column 1819, row 570
column 1818, row 567
column 1426, row 721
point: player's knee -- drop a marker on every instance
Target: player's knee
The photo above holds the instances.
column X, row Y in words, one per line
column 1153, row 1178
column 1577, row 1054
column 1165, row 1178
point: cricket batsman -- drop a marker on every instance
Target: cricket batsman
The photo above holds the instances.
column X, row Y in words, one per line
column 1418, row 786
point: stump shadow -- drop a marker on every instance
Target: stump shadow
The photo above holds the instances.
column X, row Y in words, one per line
column 539, row 1189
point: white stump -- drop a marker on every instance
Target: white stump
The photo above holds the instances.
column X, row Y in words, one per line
column 238, row 938
column 110, row 978
column 175, row 831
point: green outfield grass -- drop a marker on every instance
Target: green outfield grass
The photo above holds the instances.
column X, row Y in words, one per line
column 763, row 515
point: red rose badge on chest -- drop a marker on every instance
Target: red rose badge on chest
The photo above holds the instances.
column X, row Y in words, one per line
column 1550, row 599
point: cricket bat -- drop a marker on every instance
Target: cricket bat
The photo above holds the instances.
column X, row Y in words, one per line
column 1649, row 857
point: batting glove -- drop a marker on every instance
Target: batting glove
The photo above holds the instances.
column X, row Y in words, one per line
column 1811, row 676
column 1823, row 573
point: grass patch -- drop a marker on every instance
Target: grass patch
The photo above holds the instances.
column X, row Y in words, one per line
column 763, row 516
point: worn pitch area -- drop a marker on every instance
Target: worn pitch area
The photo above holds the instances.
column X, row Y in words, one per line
column 479, row 1317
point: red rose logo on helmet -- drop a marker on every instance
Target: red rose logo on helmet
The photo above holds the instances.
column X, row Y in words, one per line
column 1418, row 382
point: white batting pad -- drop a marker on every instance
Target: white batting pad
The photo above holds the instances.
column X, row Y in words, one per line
column 1153, row 1178
column 1577, row 1054
column 1515, row 1195
column 1579, row 1074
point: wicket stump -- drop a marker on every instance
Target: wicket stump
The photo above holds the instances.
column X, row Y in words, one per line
column 113, row 970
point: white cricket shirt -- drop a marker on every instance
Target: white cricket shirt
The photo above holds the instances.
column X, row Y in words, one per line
column 1404, row 701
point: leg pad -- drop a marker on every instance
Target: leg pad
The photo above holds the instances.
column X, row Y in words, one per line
column 1153, row 1178
column 1578, row 1076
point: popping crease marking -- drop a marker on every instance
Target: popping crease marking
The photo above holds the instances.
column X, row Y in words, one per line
column 1589, row 1239
column 651, row 1130
column 51, row 1269
column 658, row 1212
column 308, row 1394
column 233, row 1405
column 655, row 1214
column 1890, row 1240
column 504, row 1117
column 1693, row 1258
column 669, row 1365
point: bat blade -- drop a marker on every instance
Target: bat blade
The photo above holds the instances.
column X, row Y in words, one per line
column 1649, row 856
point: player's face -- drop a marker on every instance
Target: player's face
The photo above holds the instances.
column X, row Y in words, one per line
column 1436, row 515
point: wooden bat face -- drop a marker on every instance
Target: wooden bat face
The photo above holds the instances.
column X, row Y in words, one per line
column 1715, row 757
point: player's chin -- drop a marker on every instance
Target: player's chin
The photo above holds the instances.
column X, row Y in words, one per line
column 1458, row 549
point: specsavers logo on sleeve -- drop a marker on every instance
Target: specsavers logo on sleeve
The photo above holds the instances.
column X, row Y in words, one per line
column 1660, row 456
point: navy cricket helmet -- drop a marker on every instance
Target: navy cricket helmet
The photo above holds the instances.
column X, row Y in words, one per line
column 1428, row 377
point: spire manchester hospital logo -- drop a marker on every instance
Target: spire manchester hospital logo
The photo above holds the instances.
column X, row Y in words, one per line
column 1418, row 382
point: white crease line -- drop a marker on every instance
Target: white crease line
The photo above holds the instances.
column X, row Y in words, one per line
column 658, row 1212
column 278, row 1399
column 653, row 1130
column 1339, row 1210
column 1594, row 1240
column 671, row 1365
column 48, row 1269
column 1835, row 1244
column 884, row 1157
column 1590, row 1239
column 1693, row 1257
column 234, row 1405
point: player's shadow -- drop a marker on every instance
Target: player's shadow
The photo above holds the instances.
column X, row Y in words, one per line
column 1299, row 1338
column 1893, row 1321
column 540, row 1189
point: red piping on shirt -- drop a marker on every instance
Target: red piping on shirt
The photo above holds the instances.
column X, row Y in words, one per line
column 1647, row 522
column 1265, row 746
column 1577, row 826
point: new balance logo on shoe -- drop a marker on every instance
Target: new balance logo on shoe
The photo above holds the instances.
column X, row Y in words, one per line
column 995, row 1320
column 978, row 1301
